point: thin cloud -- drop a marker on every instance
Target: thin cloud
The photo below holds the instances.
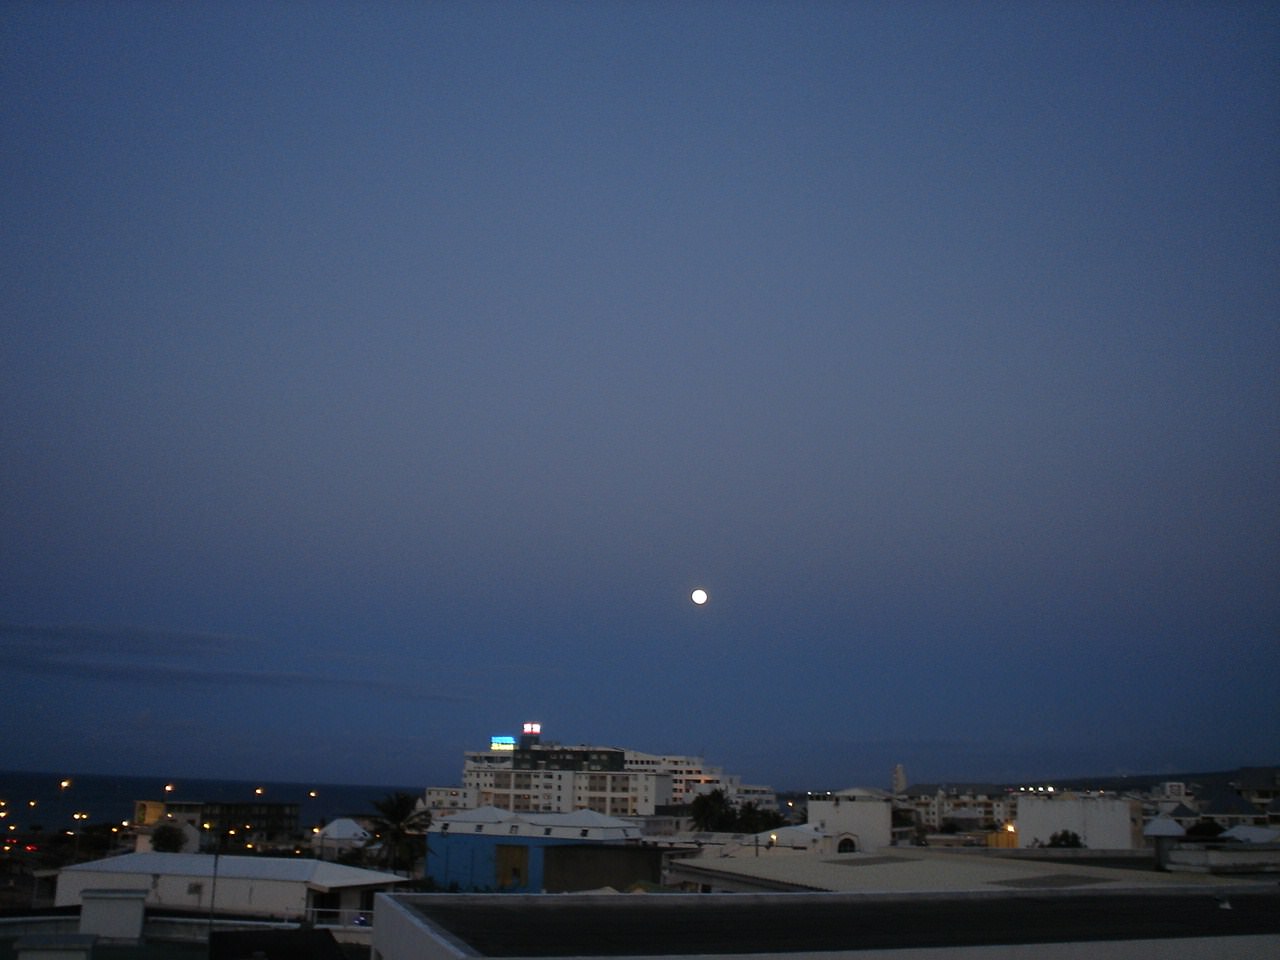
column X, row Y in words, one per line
column 166, row 658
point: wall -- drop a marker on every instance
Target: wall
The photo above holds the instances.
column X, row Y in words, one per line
column 400, row 934
column 474, row 862
column 113, row 914
column 1237, row 858
column 268, row 898
column 1102, row 823
column 868, row 819
column 579, row 867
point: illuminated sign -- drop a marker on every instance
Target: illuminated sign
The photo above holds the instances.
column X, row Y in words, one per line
column 532, row 729
column 502, row 743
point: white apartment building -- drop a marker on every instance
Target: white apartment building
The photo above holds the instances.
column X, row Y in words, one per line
column 690, row 776
column 528, row 776
column 444, row 801
column 555, row 779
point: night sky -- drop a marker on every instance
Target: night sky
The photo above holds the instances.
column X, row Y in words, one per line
column 376, row 377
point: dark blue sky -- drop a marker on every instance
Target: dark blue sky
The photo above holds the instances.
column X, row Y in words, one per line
column 379, row 376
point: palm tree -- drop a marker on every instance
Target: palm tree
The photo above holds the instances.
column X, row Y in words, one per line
column 713, row 811
column 399, row 827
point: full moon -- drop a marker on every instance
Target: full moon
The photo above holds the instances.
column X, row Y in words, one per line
column 699, row 596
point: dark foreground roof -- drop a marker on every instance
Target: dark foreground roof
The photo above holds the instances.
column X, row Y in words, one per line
column 654, row 925
column 274, row 945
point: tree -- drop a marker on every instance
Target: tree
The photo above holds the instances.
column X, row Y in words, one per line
column 1204, row 829
column 713, row 812
column 1066, row 838
column 752, row 819
column 168, row 838
column 399, row 827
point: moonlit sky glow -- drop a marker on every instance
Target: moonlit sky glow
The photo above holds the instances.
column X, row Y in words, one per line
column 377, row 377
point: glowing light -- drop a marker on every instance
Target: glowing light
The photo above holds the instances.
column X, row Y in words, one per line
column 259, row 790
column 168, row 788
column 533, row 729
column 502, row 743
column 699, row 596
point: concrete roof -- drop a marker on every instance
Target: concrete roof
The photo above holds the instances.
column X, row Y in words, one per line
column 317, row 874
column 920, row 870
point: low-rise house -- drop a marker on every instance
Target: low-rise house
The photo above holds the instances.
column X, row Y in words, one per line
column 1228, row 809
column 1260, row 786
column 490, row 849
column 856, row 819
column 273, row 887
column 340, row 837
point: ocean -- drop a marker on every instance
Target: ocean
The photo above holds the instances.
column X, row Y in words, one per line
column 59, row 801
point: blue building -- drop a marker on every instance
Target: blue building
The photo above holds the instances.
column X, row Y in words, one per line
column 489, row 849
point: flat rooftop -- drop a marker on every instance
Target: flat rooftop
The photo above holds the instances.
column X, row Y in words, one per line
column 559, row 925
column 923, row 870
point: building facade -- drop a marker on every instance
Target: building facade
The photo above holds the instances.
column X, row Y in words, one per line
column 857, row 820
column 1101, row 822
column 965, row 806
column 526, row 775
column 230, row 827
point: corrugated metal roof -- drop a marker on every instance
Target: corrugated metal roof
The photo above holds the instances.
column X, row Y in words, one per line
column 319, row 874
column 488, row 820
column 574, row 818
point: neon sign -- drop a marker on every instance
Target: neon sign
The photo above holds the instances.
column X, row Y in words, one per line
column 502, row 743
column 532, row 729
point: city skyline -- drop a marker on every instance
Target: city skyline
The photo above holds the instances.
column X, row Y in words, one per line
column 378, row 377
